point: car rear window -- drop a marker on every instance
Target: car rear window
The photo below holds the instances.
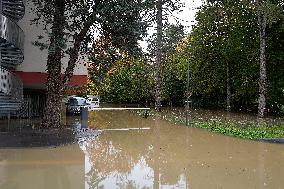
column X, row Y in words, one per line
column 73, row 101
column 95, row 99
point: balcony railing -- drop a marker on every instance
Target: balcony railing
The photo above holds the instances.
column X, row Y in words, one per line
column 11, row 42
column 11, row 55
column 14, row 9
column 11, row 33
column 10, row 84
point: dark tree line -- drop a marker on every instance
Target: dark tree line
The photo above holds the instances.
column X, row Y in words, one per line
column 229, row 66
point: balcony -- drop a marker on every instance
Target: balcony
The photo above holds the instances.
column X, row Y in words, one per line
column 10, row 84
column 11, row 42
column 11, row 55
column 13, row 9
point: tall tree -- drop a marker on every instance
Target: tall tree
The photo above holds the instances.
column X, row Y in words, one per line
column 162, row 9
column 72, row 26
column 229, row 62
column 53, row 102
column 267, row 13
column 158, row 79
column 172, row 82
column 262, row 60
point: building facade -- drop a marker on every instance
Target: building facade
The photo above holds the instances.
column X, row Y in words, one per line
column 11, row 55
column 23, row 65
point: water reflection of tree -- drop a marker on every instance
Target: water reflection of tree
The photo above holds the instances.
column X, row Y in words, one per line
column 117, row 152
column 128, row 185
column 168, row 153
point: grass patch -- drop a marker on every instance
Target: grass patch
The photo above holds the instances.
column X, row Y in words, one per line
column 242, row 129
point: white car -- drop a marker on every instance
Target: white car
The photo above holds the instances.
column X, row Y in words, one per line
column 93, row 102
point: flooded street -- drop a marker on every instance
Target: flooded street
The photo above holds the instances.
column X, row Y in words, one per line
column 158, row 155
column 61, row 167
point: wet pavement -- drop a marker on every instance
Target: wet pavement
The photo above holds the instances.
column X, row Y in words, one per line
column 134, row 152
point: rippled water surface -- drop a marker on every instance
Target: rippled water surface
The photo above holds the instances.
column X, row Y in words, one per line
column 160, row 155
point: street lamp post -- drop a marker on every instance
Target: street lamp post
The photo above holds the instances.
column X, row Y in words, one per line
column 187, row 96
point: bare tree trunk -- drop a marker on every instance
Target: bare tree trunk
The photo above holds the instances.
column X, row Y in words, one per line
column 229, row 64
column 52, row 114
column 158, row 80
column 229, row 86
column 262, row 60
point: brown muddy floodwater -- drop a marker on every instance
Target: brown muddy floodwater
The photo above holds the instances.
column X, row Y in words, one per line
column 161, row 155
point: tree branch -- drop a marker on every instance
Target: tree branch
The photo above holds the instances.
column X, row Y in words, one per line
column 74, row 52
